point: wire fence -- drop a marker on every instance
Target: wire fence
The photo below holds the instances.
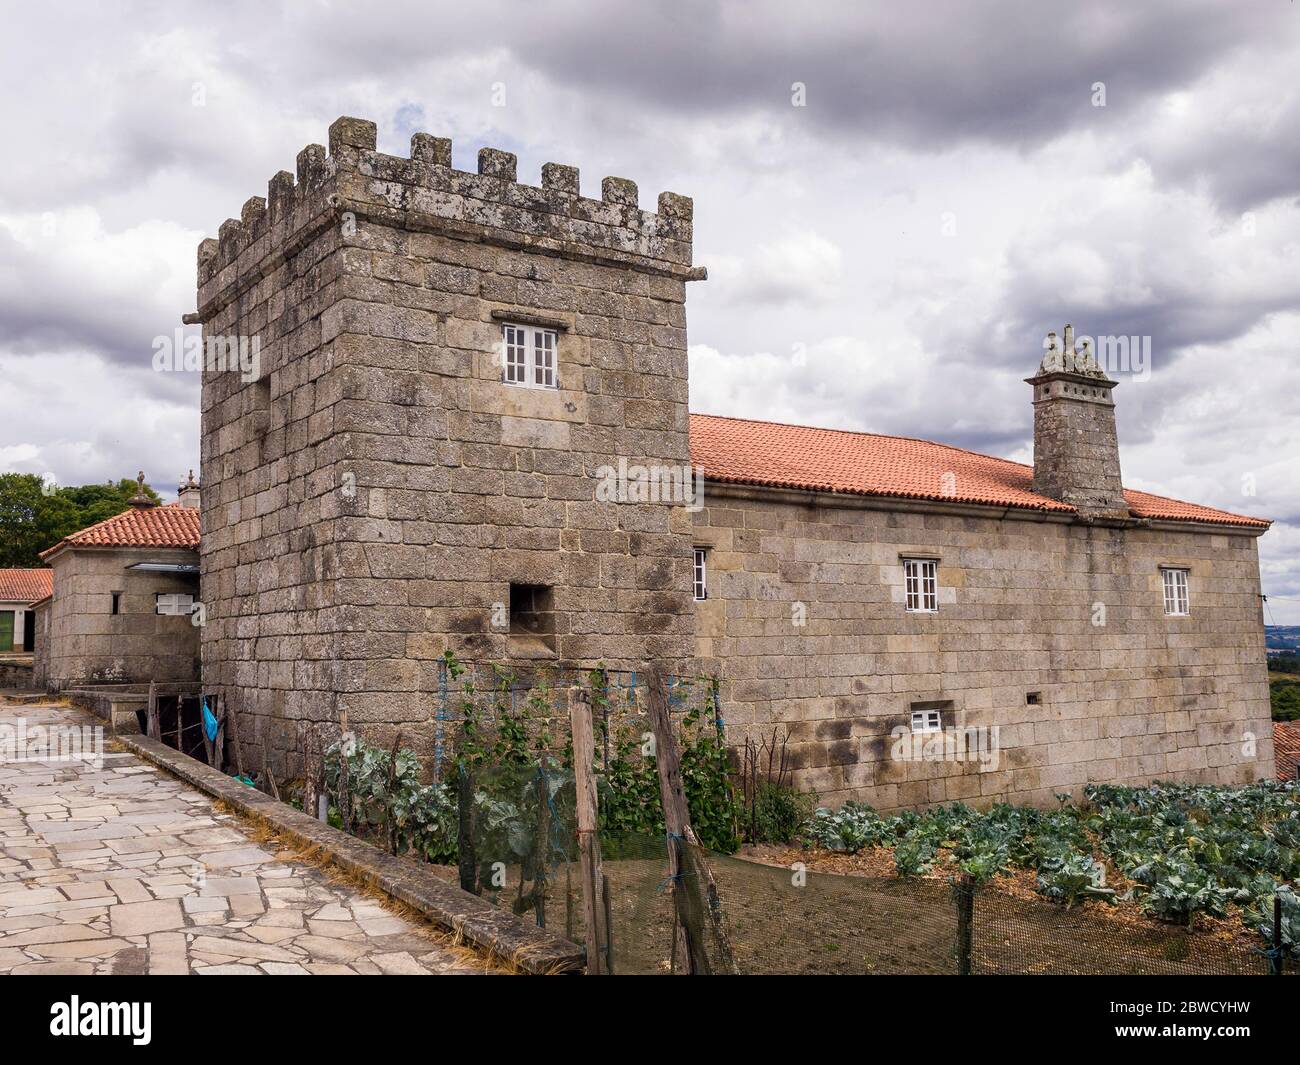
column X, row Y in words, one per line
column 781, row 921
column 502, row 804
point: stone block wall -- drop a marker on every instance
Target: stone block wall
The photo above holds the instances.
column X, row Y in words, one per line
column 369, row 502
column 1071, row 611
column 84, row 642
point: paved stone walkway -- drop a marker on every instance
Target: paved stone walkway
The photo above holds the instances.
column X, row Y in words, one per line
column 123, row 869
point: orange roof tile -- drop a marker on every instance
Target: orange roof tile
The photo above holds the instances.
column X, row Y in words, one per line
column 740, row 451
column 170, row 525
column 25, row 585
column 1286, row 748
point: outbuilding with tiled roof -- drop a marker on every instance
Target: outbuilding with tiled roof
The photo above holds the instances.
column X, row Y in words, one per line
column 124, row 594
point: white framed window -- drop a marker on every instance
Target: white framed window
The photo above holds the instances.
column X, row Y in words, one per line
column 528, row 355
column 174, row 603
column 927, row 721
column 921, row 584
column 1175, row 583
column 701, row 574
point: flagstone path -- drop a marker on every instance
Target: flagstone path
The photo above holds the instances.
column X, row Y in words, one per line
column 120, row 868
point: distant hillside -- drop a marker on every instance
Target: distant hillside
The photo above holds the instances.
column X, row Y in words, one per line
column 1282, row 637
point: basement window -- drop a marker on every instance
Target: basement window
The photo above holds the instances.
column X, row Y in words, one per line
column 926, row 718
column 174, row 603
column 532, row 618
column 921, row 584
column 1175, row 586
column 528, row 355
column 701, row 574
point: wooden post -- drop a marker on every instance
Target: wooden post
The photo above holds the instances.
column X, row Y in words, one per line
column 234, row 739
column 965, row 888
column 152, row 728
column 219, row 744
column 310, row 784
column 388, row 793
column 468, row 860
column 1275, row 967
column 682, row 864
column 593, row 877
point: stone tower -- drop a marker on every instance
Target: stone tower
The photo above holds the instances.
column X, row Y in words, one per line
column 445, row 361
column 1076, row 450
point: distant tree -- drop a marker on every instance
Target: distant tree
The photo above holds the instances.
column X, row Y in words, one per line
column 32, row 520
column 1284, row 663
column 1285, row 697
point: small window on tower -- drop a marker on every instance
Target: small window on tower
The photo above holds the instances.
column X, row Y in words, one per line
column 528, row 355
column 117, row 603
column 701, row 574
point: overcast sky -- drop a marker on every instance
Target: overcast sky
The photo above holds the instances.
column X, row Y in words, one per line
column 895, row 203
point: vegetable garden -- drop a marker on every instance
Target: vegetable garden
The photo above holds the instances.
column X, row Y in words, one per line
column 1162, row 870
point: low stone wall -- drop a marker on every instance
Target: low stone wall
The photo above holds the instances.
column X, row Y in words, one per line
column 18, row 676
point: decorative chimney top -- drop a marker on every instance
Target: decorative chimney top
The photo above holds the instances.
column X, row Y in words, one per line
column 187, row 494
column 1070, row 358
column 140, row 500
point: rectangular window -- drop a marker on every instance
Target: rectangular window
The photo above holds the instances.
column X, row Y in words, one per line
column 532, row 617
column 927, row 721
column 515, row 340
column 1175, row 581
column 528, row 355
column 701, row 574
column 174, row 603
column 921, row 582
column 117, row 603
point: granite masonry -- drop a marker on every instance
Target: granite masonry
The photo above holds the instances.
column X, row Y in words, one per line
column 378, row 495
column 124, row 592
column 448, row 364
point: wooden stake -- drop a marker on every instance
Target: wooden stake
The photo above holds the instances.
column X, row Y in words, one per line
column 219, row 744
column 388, row 793
column 152, row 728
column 592, row 875
column 234, row 739
column 683, row 871
column 270, row 780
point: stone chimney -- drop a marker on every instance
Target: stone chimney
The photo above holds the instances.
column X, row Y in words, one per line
column 140, row 500
column 1076, row 450
column 187, row 494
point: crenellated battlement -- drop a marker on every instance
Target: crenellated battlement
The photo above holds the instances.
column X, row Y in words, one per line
column 423, row 192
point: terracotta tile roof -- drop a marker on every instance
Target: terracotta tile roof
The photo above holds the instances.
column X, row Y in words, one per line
column 1286, row 748
column 25, row 585
column 1145, row 505
column 170, row 525
column 740, row 451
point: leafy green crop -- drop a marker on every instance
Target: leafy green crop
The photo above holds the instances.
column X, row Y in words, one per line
column 1189, row 849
